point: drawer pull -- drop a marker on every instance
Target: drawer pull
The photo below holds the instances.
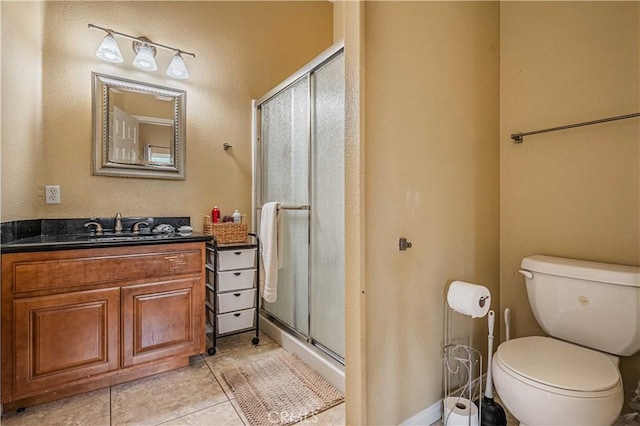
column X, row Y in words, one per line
column 237, row 274
column 237, row 294
column 236, row 315
column 237, row 253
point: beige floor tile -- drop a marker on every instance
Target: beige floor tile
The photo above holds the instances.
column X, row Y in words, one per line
column 166, row 396
column 239, row 342
column 87, row 409
column 232, row 351
column 236, row 406
column 221, row 414
column 194, row 395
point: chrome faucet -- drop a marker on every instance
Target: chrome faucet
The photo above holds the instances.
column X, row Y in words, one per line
column 118, row 226
column 135, row 229
column 98, row 230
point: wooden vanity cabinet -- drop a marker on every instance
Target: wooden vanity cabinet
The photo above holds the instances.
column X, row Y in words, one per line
column 78, row 320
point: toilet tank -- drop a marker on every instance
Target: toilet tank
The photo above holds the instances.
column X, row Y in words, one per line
column 592, row 304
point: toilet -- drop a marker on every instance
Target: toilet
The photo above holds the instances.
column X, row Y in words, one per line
column 591, row 313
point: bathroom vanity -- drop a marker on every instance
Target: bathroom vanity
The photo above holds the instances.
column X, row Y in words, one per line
column 81, row 316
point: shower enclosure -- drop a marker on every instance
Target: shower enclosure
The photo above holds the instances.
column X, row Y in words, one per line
column 299, row 162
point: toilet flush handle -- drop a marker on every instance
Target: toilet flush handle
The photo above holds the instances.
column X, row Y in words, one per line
column 527, row 274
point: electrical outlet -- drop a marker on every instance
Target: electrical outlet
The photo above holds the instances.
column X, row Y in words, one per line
column 52, row 194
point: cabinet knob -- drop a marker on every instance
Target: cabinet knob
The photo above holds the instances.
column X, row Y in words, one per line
column 236, row 315
column 237, row 253
column 237, row 274
column 236, row 294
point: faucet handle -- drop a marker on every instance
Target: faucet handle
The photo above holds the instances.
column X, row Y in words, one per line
column 117, row 227
column 135, row 229
column 97, row 225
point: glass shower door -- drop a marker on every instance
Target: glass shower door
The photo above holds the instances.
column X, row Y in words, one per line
column 301, row 163
column 285, row 178
column 327, row 202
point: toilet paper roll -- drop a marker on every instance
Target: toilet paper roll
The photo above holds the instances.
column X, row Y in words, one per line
column 460, row 412
column 469, row 299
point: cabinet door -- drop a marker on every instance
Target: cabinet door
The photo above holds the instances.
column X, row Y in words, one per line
column 64, row 337
column 162, row 319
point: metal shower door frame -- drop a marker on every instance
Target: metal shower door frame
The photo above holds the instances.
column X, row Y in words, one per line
column 257, row 160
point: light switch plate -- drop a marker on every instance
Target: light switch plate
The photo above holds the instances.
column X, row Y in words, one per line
column 52, row 194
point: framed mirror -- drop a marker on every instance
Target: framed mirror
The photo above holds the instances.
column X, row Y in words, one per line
column 138, row 129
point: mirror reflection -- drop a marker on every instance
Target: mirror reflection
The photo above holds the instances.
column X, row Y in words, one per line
column 139, row 129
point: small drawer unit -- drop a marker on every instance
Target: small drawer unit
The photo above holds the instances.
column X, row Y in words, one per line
column 232, row 283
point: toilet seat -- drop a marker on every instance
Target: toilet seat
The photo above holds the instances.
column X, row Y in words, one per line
column 559, row 367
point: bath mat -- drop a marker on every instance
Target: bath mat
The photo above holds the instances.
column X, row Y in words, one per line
column 280, row 390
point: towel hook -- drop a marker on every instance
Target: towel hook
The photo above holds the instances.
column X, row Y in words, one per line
column 403, row 244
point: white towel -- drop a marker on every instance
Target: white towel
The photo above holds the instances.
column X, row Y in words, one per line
column 271, row 254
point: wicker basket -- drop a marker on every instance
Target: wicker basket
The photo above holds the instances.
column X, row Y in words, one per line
column 227, row 232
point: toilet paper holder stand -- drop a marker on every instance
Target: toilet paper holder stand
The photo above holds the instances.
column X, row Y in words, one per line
column 462, row 380
column 462, row 370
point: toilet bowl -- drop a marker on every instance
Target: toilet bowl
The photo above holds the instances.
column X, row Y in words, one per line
column 591, row 311
column 546, row 381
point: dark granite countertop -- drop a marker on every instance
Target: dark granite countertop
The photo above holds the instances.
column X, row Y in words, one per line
column 68, row 234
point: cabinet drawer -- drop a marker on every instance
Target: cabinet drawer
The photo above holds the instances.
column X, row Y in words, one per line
column 236, row 280
column 234, row 321
column 51, row 270
column 236, row 259
column 236, row 301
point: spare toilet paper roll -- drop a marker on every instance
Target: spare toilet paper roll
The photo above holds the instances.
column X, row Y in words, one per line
column 460, row 412
column 469, row 299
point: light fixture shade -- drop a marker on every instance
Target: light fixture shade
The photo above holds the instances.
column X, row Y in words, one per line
column 109, row 50
column 144, row 59
column 177, row 68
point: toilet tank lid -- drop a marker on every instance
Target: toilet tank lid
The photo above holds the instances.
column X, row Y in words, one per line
column 583, row 269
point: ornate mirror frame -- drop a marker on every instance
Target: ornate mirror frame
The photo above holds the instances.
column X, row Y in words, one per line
column 104, row 164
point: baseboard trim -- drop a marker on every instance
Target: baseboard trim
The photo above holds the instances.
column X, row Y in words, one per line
column 426, row 417
column 433, row 413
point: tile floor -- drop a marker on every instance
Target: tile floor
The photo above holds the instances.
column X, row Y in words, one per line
column 193, row 395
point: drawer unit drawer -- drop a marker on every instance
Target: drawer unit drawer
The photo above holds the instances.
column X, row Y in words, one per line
column 235, row 321
column 211, row 315
column 236, row 301
column 236, row 280
column 236, row 259
column 209, row 294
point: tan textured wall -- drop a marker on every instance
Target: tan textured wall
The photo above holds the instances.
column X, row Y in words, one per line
column 339, row 20
column 573, row 193
column 352, row 20
column 432, row 129
column 22, row 144
column 242, row 50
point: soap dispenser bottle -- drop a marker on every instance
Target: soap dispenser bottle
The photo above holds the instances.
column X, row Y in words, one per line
column 236, row 216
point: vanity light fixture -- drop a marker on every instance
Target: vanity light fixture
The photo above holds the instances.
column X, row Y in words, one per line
column 109, row 50
column 177, row 68
column 145, row 53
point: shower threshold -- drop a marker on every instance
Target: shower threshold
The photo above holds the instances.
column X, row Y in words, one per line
column 322, row 360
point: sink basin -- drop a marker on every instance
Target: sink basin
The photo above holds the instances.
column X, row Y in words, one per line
column 122, row 237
